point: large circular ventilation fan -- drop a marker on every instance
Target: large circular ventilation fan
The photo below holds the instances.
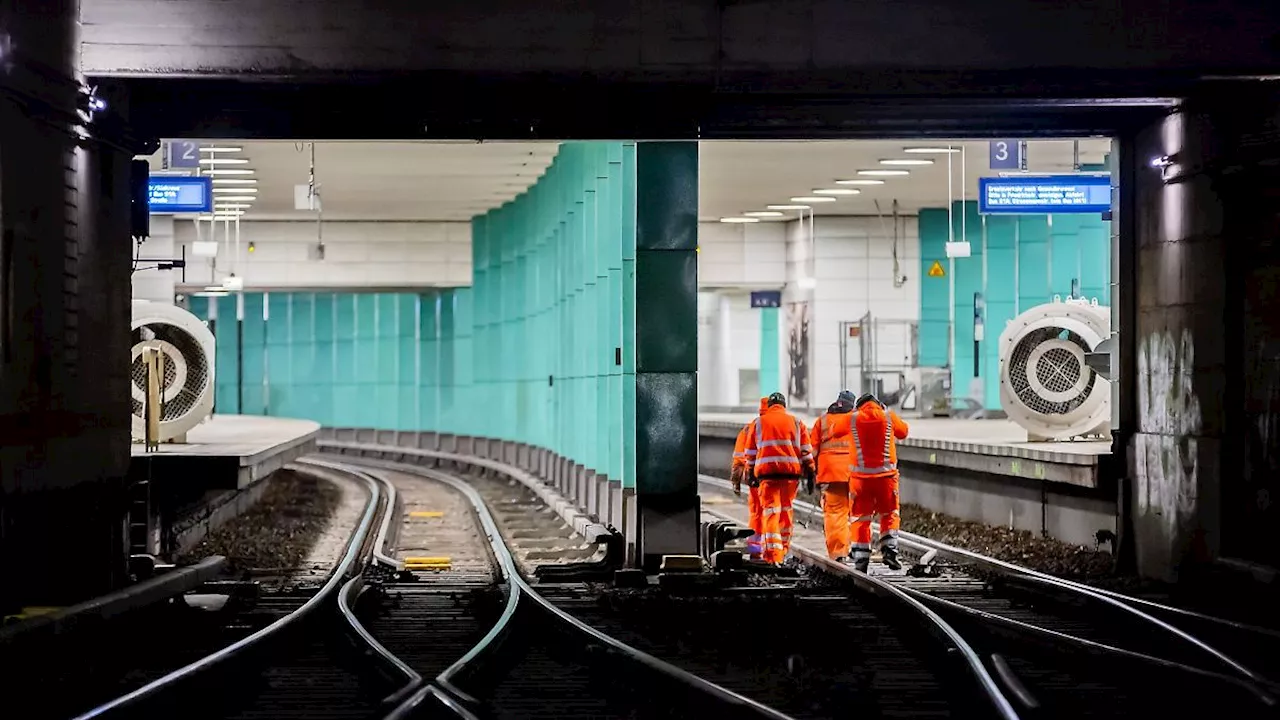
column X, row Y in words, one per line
column 187, row 387
column 1045, row 384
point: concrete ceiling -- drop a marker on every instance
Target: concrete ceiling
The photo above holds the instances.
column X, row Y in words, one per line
column 454, row 181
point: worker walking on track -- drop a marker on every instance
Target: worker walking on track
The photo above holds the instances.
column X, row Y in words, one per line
column 873, row 480
column 779, row 455
column 833, row 437
column 738, row 475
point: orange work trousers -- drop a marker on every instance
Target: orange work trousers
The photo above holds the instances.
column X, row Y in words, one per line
column 836, row 507
column 872, row 497
column 776, row 497
column 755, row 521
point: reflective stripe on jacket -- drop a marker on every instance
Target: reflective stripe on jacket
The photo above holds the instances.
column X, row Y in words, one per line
column 875, row 452
column 833, row 435
column 779, row 447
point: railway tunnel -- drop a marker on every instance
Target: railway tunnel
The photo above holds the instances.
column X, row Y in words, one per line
column 629, row 95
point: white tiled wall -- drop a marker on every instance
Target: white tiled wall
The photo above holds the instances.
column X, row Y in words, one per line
column 854, row 270
column 748, row 255
column 357, row 254
column 156, row 285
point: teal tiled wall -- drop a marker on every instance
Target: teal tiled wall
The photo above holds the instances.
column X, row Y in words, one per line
column 1017, row 262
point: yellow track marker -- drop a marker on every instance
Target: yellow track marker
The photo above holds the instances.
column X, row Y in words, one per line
column 426, row 514
column 427, row 560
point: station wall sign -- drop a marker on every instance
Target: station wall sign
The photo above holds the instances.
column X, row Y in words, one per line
column 766, row 298
column 1056, row 194
column 173, row 195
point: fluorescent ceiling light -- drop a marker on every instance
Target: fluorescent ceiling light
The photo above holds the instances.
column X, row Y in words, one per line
column 787, row 207
column 837, row 191
column 762, row 213
column 931, row 150
column 212, row 293
column 220, row 148
column 228, row 171
column 224, row 161
column 739, row 220
column 841, row 182
column 235, row 181
column 231, row 206
column 907, row 161
column 236, row 190
column 884, row 173
column 214, row 288
column 239, row 198
column 812, row 199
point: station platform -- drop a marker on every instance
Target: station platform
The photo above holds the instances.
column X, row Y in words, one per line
column 245, row 448
column 181, row 491
column 979, row 470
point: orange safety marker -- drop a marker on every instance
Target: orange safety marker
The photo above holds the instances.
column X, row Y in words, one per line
column 426, row 514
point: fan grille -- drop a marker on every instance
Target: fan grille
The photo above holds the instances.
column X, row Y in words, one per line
column 178, row 401
column 1057, row 370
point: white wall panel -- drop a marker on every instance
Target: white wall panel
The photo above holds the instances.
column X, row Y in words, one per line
column 747, row 255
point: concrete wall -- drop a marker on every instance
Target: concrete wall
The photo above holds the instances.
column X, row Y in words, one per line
column 798, row 42
column 751, row 256
column 154, row 284
column 357, row 254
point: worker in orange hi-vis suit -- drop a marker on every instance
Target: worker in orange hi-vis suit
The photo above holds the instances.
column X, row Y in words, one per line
column 779, row 454
column 873, row 480
column 737, row 475
column 833, row 439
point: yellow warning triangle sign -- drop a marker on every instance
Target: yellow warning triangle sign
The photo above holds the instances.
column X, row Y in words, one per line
column 936, row 270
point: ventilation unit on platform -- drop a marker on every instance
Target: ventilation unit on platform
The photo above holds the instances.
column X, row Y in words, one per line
column 1046, row 383
column 187, row 387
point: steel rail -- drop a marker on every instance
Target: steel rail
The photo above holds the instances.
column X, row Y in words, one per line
column 1120, row 602
column 235, row 650
column 519, row 589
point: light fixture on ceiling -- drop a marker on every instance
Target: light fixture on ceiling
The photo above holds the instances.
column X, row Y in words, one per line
column 931, row 150
column 837, row 191
column 211, row 293
column 884, row 173
column 812, row 199
column 231, row 206
column 220, row 148
column 788, row 207
column 762, row 213
column 849, row 182
column 238, row 198
column 235, row 191
column 224, row 161
column 235, row 181
column 907, row 161
column 228, row 171
column 739, row 220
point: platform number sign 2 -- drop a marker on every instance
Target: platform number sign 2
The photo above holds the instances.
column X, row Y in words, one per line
column 1006, row 155
column 184, row 154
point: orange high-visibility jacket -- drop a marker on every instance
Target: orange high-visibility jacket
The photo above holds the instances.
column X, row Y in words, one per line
column 833, row 437
column 740, row 445
column 875, row 450
column 779, row 448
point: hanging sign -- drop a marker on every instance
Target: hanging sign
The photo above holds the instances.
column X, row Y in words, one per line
column 1006, row 155
column 766, row 298
column 183, row 154
column 936, row 270
column 173, row 195
column 1058, row 194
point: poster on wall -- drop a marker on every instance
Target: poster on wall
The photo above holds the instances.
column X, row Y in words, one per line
column 798, row 353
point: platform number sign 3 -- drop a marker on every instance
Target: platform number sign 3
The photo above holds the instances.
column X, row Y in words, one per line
column 1006, row 155
column 184, row 154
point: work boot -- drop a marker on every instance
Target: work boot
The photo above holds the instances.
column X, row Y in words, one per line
column 862, row 564
column 890, row 557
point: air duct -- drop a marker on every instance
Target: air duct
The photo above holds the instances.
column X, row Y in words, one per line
column 187, row 387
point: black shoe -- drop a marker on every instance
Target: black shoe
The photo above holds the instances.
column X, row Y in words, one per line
column 890, row 557
column 862, row 565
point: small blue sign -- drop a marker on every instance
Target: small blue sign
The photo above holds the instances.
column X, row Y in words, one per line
column 1006, row 155
column 766, row 298
column 184, row 154
column 1059, row 194
column 174, row 195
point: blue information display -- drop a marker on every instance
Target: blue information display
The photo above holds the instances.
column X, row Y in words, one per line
column 1044, row 195
column 766, row 298
column 173, row 195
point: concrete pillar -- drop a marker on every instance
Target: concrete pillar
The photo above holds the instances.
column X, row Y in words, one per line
column 1200, row 401
column 726, row 370
column 770, row 353
column 666, row 333
column 64, row 306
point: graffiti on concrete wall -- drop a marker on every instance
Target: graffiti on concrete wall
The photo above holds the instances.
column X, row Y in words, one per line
column 1166, row 462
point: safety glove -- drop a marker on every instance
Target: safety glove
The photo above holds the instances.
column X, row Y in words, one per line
column 752, row 480
column 735, row 477
column 810, row 479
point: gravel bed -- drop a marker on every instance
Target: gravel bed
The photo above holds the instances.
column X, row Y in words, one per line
column 1075, row 562
column 280, row 530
